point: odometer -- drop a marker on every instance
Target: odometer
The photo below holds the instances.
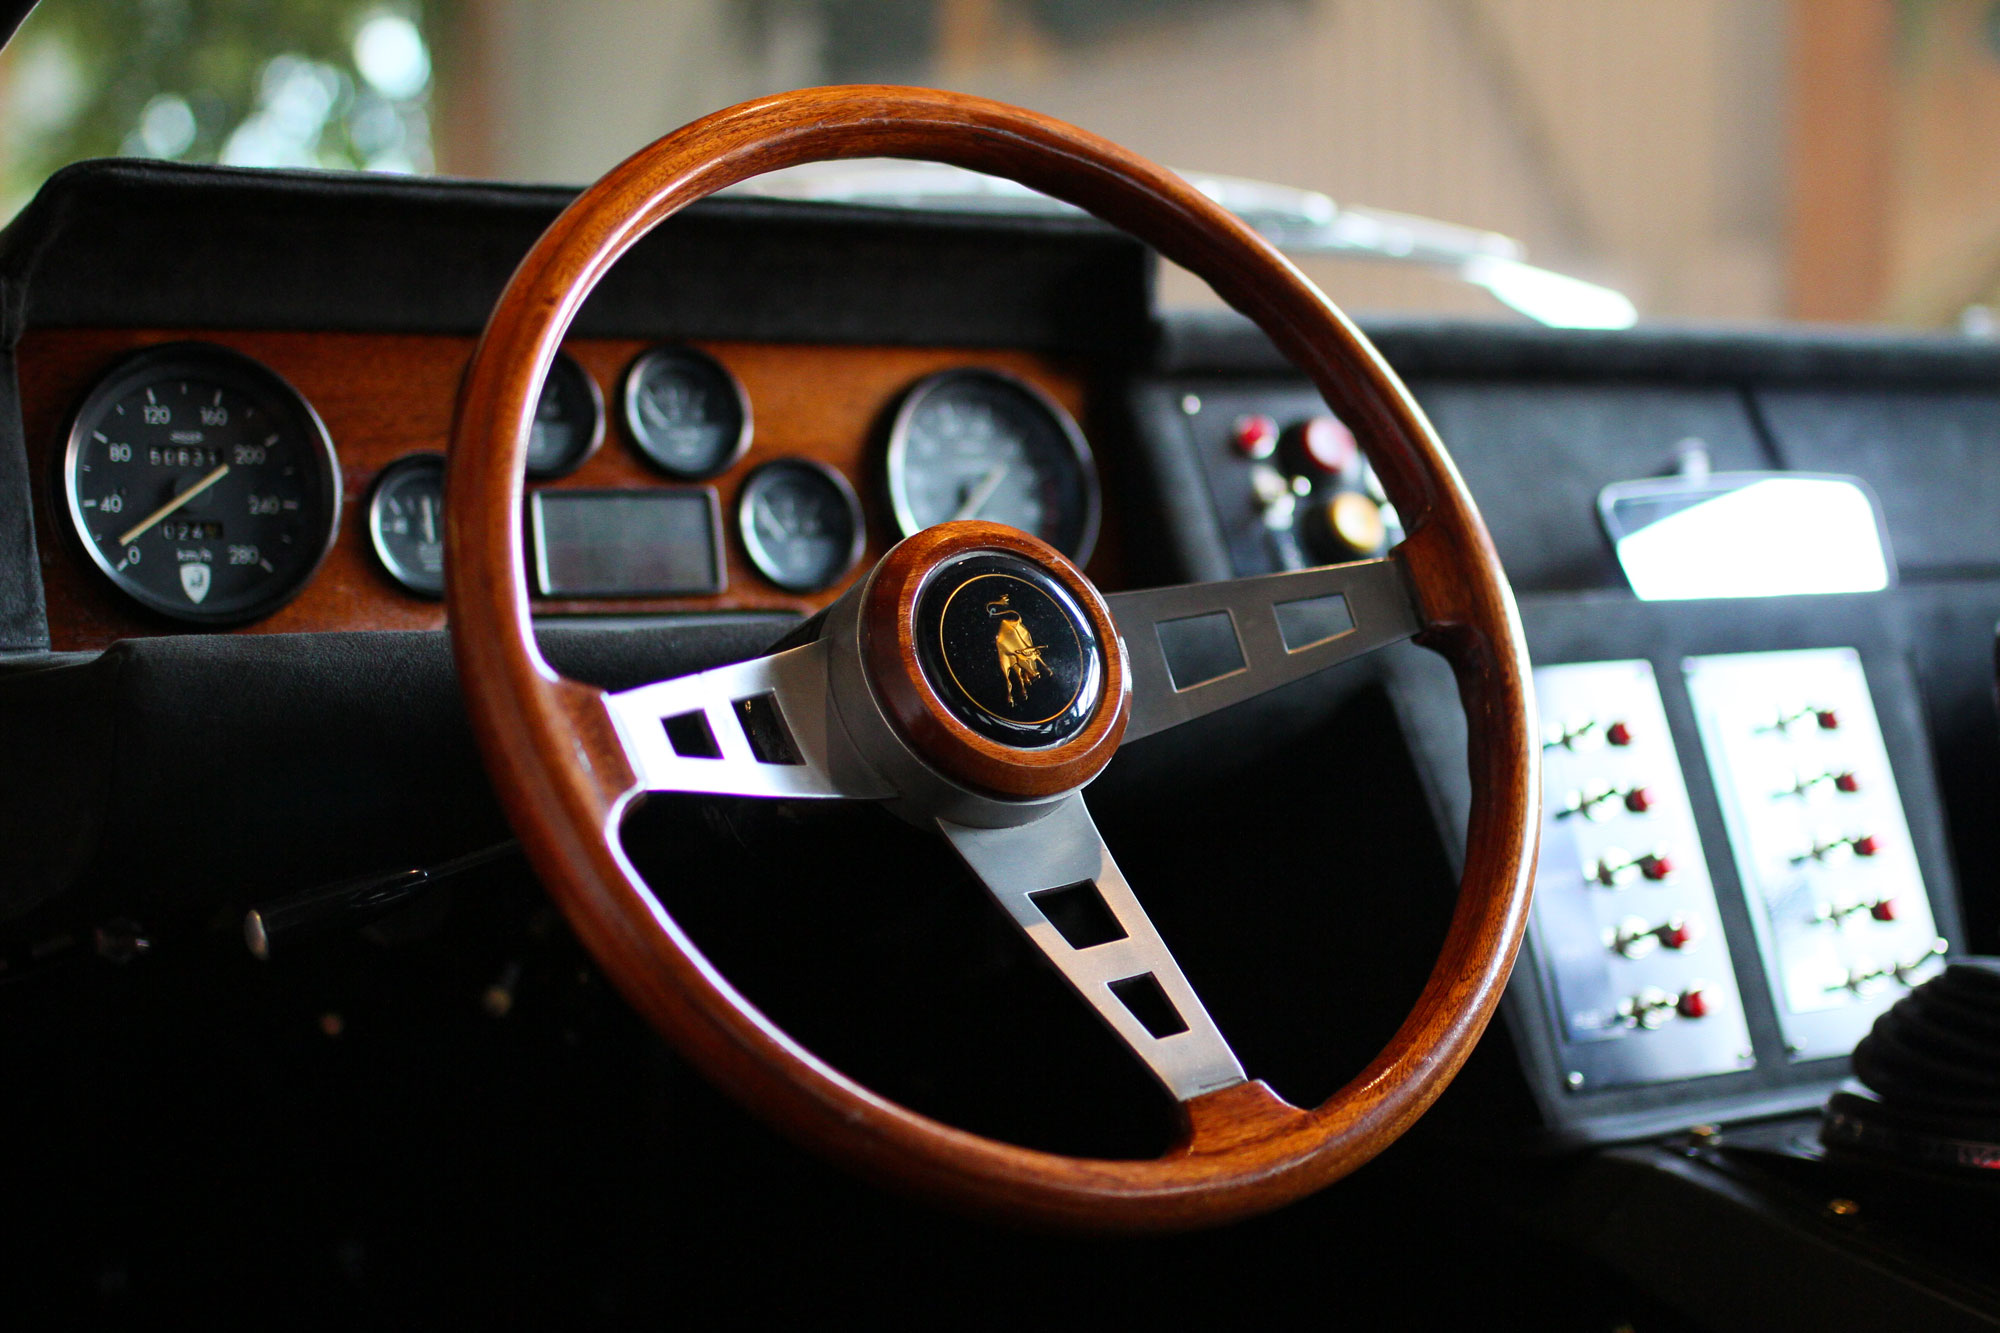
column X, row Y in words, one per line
column 201, row 483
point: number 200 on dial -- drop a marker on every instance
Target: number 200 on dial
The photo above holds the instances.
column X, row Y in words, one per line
column 201, row 484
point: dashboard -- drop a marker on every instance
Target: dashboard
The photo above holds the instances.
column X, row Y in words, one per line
column 384, row 403
column 1764, row 819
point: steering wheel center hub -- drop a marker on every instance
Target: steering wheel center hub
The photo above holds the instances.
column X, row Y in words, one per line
column 995, row 660
column 1008, row 651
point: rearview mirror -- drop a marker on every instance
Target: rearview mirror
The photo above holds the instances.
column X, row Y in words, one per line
column 1747, row 534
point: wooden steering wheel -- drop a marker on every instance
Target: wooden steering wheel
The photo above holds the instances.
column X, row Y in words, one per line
column 976, row 681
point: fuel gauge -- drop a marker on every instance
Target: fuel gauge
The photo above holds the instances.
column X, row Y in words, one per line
column 406, row 522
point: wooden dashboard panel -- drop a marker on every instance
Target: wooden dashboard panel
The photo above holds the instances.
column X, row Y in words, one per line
column 386, row 396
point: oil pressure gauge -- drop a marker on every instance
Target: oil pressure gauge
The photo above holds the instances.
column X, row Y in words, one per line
column 201, row 484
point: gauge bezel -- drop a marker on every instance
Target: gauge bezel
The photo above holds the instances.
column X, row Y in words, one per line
column 896, row 461
column 753, row 545
column 229, row 368
column 392, row 566
column 597, row 429
column 628, row 407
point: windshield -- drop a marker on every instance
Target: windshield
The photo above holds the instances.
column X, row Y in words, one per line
column 1734, row 160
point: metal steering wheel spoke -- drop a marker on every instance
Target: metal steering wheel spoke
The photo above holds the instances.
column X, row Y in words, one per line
column 1198, row 647
column 763, row 727
column 1057, row 880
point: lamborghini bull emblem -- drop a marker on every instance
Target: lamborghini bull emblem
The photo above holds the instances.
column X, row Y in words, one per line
column 1020, row 656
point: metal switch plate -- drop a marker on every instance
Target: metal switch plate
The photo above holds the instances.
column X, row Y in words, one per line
column 1608, row 1035
column 1797, row 837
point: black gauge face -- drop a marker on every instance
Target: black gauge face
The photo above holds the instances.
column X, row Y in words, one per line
column 406, row 522
column 569, row 421
column 201, row 483
column 800, row 523
column 979, row 444
column 685, row 412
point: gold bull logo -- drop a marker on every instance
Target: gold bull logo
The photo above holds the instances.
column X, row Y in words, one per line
column 1020, row 656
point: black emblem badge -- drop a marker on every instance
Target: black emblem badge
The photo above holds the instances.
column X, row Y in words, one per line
column 1008, row 650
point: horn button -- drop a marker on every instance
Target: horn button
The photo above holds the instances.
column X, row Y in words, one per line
column 995, row 660
column 1008, row 651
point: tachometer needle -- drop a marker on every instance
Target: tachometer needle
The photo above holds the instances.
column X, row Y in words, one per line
column 981, row 493
column 132, row 534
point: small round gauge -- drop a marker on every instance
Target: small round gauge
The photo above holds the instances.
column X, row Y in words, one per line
column 686, row 412
column 201, row 483
column 980, row 444
column 801, row 524
column 569, row 421
column 406, row 522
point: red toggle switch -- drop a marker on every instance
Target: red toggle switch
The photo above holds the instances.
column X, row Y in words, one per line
column 1639, row 800
column 1867, row 845
column 1846, row 782
column 1254, row 435
column 1693, row 1003
column 1828, row 719
column 1883, row 909
column 1675, row 935
column 1656, row 866
column 1618, row 734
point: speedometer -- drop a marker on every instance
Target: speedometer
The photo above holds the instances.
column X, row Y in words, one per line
column 977, row 443
column 201, row 484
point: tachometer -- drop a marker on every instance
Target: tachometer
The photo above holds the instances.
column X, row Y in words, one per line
column 977, row 443
column 201, row 483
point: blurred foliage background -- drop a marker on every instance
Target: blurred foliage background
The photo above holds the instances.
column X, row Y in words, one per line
column 301, row 83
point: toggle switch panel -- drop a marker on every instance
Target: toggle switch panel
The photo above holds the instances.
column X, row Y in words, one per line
column 1820, row 838
column 1625, row 923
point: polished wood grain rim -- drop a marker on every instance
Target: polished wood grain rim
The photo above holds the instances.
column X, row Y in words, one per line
column 563, row 779
column 889, row 646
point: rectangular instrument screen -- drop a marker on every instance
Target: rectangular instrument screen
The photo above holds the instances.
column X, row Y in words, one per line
column 665, row 543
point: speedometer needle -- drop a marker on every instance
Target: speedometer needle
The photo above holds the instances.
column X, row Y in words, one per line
column 170, row 506
column 981, row 493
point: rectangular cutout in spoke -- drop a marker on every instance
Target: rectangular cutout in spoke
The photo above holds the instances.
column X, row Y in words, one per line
column 1148, row 1001
column 1079, row 914
column 764, row 727
column 1313, row 620
column 1200, row 648
column 688, row 733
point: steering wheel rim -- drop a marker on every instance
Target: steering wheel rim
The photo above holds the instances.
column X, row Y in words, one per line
column 564, row 776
